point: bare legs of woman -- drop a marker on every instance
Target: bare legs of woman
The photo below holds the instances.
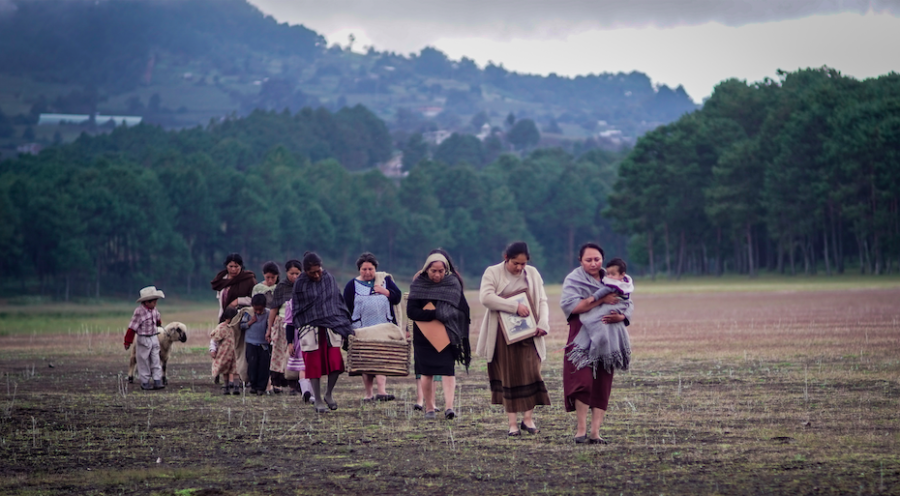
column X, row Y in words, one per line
column 581, row 410
column 370, row 380
column 332, row 380
column 324, row 403
column 420, row 395
column 527, row 420
column 428, row 393
column 317, row 392
column 449, row 391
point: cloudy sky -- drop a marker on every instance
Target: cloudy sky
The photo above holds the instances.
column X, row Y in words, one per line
column 691, row 43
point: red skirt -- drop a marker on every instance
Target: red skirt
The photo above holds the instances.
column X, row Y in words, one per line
column 580, row 384
column 325, row 360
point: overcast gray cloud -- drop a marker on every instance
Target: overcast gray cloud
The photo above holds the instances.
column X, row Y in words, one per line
column 407, row 24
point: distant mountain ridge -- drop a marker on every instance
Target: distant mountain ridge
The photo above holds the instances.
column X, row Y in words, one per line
column 183, row 62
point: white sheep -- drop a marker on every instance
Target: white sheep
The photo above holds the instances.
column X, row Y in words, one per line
column 174, row 331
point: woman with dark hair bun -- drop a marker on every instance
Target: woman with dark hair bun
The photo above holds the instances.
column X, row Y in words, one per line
column 514, row 369
column 322, row 322
column 586, row 303
column 234, row 288
column 371, row 298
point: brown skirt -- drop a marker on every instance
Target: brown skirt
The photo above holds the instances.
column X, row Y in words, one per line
column 580, row 384
column 515, row 375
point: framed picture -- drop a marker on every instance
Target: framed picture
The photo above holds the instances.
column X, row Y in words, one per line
column 518, row 328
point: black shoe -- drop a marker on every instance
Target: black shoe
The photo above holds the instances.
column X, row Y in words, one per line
column 384, row 397
column 530, row 430
column 419, row 408
column 514, row 433
column 332, row 405
column 449, row 414
column 599, row 440
column 306, row 396
column 581, row 439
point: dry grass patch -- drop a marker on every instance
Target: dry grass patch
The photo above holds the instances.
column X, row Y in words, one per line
column 730, row 393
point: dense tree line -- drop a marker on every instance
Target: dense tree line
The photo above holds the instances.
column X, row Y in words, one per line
column 796, row 175
column 142, row 205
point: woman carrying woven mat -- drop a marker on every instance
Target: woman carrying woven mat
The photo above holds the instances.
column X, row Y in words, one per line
column 587, row 304
column 323, row 322
column 371, row 299
column 514, row 369
column 441, row 331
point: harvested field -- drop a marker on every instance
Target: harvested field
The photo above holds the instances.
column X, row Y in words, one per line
column 784, row 392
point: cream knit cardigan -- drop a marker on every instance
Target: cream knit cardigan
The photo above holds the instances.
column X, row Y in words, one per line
column 493, row 282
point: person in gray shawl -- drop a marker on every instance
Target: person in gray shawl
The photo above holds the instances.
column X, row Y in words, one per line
column 598, row 342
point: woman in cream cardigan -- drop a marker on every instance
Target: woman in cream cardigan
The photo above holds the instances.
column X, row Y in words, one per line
column 514, row 369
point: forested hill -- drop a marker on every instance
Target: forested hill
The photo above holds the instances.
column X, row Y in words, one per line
column 110, row 213
column 182, row 62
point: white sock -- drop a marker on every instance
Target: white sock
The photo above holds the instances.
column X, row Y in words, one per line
column 304, row 385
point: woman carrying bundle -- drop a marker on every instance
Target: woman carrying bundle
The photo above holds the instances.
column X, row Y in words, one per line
column 592, row 309
column 514, row 369
column 437, row 304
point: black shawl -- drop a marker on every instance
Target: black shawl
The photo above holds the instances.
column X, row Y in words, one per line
column 451, row 309
column 320, row 304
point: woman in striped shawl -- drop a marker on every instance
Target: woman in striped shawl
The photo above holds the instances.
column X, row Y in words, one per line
column 323, row 322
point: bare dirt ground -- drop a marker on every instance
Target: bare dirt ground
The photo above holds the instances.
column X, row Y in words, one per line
column 730, row 393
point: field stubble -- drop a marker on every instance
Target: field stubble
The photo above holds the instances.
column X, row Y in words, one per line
column 729, row 393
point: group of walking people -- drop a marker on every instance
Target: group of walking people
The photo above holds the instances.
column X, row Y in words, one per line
column 289, row 332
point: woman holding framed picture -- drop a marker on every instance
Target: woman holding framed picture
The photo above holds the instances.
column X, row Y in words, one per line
column 512, row 336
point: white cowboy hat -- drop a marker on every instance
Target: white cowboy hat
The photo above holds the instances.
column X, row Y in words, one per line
column 150, row 293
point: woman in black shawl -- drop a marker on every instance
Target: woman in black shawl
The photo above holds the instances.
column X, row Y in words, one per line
column 322, row 322
column 436, row 294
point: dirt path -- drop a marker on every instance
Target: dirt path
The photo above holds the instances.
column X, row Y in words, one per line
column 730, row 393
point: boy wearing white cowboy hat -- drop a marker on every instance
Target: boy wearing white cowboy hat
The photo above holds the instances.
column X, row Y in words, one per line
column 144, row 324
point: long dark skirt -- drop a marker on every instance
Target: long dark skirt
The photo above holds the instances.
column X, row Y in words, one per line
column 430, row 361
column 580, row 384
column 515, row 375
column 325, row 360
